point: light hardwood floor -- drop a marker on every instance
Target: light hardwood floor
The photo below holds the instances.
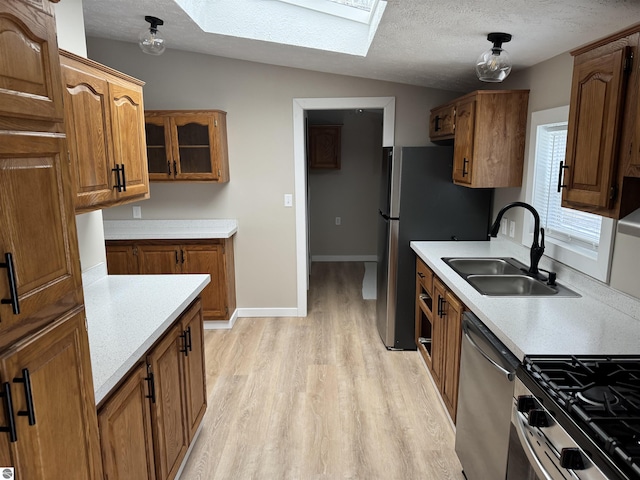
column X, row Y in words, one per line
column 319, row 397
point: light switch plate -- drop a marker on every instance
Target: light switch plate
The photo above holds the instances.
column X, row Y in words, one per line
column 137, row 211
column 288, row 200
column 338, row 221
column 512, row 228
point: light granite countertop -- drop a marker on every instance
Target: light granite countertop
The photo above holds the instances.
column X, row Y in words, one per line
column 127, row 314
column 602, row 321
column 169, row 229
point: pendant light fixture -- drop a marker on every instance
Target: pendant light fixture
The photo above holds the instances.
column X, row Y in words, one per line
column 150, row 40
column 494, row 65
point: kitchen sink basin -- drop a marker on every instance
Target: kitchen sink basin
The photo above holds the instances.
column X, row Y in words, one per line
column 483, row 266
column 504, row 277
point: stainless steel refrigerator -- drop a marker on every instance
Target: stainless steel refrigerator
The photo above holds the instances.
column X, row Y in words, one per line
column 418, row 201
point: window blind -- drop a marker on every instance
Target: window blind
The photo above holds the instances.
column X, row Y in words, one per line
column 565, row 224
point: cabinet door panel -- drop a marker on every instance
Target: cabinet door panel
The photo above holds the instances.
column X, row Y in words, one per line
column 437, row 341
column 195, row 380
column 88, row 129
column 208, row 259
column 597, row 92
column 125, row 431
column 463, row 147
column 159, row 259
column 129, row 138
column 159, row 153
column 122, row 260
column 451, row 364
column 36, row 213
column 193, row 147
column 325, row 146
column 168, row 412
column 30, row 85
column 62, row 390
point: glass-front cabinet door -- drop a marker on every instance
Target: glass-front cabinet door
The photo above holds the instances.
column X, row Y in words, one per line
column 187, row 145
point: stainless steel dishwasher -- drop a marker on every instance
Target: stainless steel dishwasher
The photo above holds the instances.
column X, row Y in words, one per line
column 485, row 398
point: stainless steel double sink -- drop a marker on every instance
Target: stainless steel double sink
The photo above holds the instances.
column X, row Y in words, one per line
column 504, row 277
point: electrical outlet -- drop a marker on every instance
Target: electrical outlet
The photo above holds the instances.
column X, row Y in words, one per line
column 338, row 221
column 137, row 211
column 512, row 228
column 288, row 200
column 503, row 226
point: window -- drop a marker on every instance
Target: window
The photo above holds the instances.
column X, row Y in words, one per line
column 578, row 239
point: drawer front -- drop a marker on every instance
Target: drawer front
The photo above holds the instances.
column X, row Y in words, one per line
column 424, row 275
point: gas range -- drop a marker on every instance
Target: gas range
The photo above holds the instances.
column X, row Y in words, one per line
column 596, row 399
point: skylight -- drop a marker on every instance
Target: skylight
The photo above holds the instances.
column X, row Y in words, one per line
column 343, row 26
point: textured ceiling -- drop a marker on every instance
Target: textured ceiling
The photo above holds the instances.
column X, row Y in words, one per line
column 419, row 42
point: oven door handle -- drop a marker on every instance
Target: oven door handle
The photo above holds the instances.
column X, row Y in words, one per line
column 510, row 375
column 528, row 448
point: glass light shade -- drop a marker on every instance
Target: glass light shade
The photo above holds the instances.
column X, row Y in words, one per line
column 494, row 65
column 151, row 42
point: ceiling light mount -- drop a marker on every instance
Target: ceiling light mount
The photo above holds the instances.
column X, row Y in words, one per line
column 150, row 40
column 494, row 64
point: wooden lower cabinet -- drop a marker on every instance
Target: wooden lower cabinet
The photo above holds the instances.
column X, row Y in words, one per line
column 439, row 333
column 125, row 430
column 149, row 421
column 49, row 375
column 213, row 256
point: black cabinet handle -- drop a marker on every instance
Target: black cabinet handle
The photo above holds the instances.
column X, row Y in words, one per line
column 185, row 350
column 436, row 127
column 465, row 163
column 169, row 167
column 26, row 381
column 421, row 275
column 118, row 185
column 13, row 285
column 152, row 385
column 441, row 302
column 177, row 261
column 8, row 402
column 189, row 344
column 175, row 168
column 182, row 255
column 124, row 179
column 560, row 184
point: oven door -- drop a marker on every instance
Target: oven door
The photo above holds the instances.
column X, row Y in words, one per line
column 523, row 462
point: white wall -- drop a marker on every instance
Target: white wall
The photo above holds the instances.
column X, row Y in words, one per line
column 71, row 37
column 350, row 193
column 258, row 99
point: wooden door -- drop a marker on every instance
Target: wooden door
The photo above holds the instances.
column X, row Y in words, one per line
column 30, row 80
column 452, row 334
column 61, row 440
column 438, row 325
column 195, row 373
column 168, row 413
column 38, row 229
column 597, row 93
column 208, row 259
column 122, row 259
column 127, row 114
column 463, row 146
column 325, row 146
column 194, row 142
column 88, row 127
column 126, row 438
column 162, row 165
column 159, row 259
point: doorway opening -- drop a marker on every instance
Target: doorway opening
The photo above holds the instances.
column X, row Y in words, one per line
column 300, row 107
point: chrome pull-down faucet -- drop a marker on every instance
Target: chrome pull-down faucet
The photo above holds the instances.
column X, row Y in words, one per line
column 537, row 249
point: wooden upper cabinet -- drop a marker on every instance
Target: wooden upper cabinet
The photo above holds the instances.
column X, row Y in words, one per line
column 187, row 145
column 30, row 86
column 463, row 150
column 597, row 93
column 125, row 430
column 325, row 146
column 442, row 122
column 38, row 232
column 51, row 372
column 105, row 129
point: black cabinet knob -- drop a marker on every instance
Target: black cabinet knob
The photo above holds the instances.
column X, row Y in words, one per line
column 538, row 418
column 571, row 458
column 526, row 403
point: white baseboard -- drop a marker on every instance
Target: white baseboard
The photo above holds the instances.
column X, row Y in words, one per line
column 221, row 324
column 344, row 258
column 268, row 312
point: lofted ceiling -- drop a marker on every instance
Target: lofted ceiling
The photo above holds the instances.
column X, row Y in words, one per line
column 418, row 42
